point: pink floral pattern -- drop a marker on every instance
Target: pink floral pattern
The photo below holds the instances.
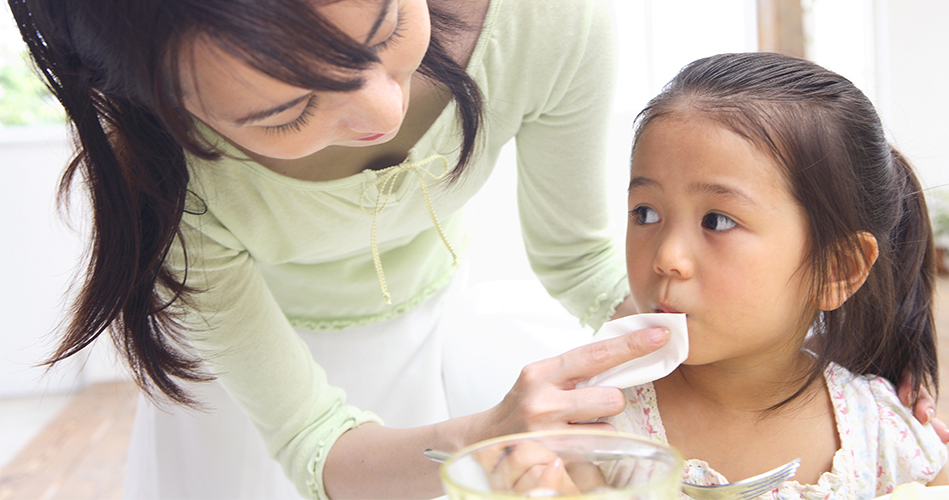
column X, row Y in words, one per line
column 882, row 444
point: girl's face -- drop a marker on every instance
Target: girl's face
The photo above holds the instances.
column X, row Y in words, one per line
column 278, row 120
column 715, row 233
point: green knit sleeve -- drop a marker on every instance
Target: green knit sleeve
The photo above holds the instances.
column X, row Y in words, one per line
column 248, row 344
column 561, row 153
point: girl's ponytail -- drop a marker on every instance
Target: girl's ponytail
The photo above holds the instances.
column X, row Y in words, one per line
column 886, row 328
column 910, row 348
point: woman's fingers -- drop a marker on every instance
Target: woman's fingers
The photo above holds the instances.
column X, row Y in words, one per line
column 924, row 408
column 586, row 476
column 508, row 465
column 527, row 468
column 545, row 395
column 547, row 481
column 591, row 403
column 941, row 430
column 595, row 358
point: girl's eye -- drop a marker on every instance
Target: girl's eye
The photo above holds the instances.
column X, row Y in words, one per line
column 296, row 124
column 644, row 215
column 394, row 37
column 717, row 222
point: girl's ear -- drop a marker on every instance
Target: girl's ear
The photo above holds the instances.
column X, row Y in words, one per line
column 850, row 271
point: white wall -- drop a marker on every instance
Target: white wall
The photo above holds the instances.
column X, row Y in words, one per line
column 897, row 52
column 913, row 64
column 37, row 253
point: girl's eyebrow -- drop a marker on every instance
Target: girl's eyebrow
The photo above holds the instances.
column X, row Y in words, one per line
column 640, row 181
column 256, row 116
column 699, row 187
column 722, row 190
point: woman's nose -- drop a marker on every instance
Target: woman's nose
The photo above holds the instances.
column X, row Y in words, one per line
column 674, row 256
column 378, row 105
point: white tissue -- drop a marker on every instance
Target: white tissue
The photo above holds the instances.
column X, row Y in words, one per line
column 652, row 366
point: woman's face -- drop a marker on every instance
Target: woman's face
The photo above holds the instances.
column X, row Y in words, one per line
column 277, row 120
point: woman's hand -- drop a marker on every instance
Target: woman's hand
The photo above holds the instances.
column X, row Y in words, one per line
column 924, row 408
column 545, row 395
column 526, row 468
column 530, row 469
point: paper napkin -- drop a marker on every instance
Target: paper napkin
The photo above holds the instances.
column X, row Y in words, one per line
column 652, row 366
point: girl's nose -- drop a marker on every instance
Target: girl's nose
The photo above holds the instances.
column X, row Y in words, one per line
column 378, row 105
column 674, row 257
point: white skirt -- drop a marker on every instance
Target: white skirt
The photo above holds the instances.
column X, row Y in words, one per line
column 469, row 344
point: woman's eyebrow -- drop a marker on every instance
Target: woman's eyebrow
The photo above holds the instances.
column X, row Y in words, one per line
column 256, row 116
column 266, row 113
column 379, row 20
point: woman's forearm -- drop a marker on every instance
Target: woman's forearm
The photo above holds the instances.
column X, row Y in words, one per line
column 373, row 461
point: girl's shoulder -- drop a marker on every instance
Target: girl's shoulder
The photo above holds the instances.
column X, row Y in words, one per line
column 641, row 416
column 881, row 436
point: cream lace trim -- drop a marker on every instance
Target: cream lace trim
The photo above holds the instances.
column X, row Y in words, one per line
column 386, row 183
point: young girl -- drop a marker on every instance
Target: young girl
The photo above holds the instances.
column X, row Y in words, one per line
column 766, row 204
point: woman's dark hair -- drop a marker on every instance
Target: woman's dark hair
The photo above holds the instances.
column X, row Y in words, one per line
column 827, row 137
column 113, row 64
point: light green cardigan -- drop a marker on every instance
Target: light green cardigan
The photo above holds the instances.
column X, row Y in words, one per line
column 270, row 253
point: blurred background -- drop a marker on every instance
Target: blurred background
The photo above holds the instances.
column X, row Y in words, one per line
column 896, row 51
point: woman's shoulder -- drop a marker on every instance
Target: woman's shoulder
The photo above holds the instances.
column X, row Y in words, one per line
column 532, row 52
column 546, row 26
column 564, row 20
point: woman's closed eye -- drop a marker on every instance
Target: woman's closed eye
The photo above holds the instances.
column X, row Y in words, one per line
column 717, row 222
column 644, row 215
column 394, row 37
column 298, row 123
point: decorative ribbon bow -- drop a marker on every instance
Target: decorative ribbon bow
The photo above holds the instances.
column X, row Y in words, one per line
column 386, row 181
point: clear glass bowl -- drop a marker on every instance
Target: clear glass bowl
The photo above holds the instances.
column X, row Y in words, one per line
column 596, row 465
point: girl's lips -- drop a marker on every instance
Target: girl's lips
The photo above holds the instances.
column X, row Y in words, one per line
column 666, row 309
column 371, row 137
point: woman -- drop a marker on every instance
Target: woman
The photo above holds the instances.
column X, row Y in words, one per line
column 267, row 178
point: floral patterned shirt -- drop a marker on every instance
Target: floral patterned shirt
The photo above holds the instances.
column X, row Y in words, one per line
column 882, row 444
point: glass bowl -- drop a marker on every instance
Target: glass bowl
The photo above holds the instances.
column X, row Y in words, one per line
column 595, row 465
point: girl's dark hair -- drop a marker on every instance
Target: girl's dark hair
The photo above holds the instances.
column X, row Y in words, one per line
column 827, row 136
column 113, row 64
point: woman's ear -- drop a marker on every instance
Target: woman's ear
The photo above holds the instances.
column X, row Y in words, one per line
column 849, row 272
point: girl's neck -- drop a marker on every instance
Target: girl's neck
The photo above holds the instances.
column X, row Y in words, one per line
column 719, row 414
column 741, row 386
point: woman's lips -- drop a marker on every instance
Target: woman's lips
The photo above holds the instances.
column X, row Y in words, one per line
column 371, row 137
